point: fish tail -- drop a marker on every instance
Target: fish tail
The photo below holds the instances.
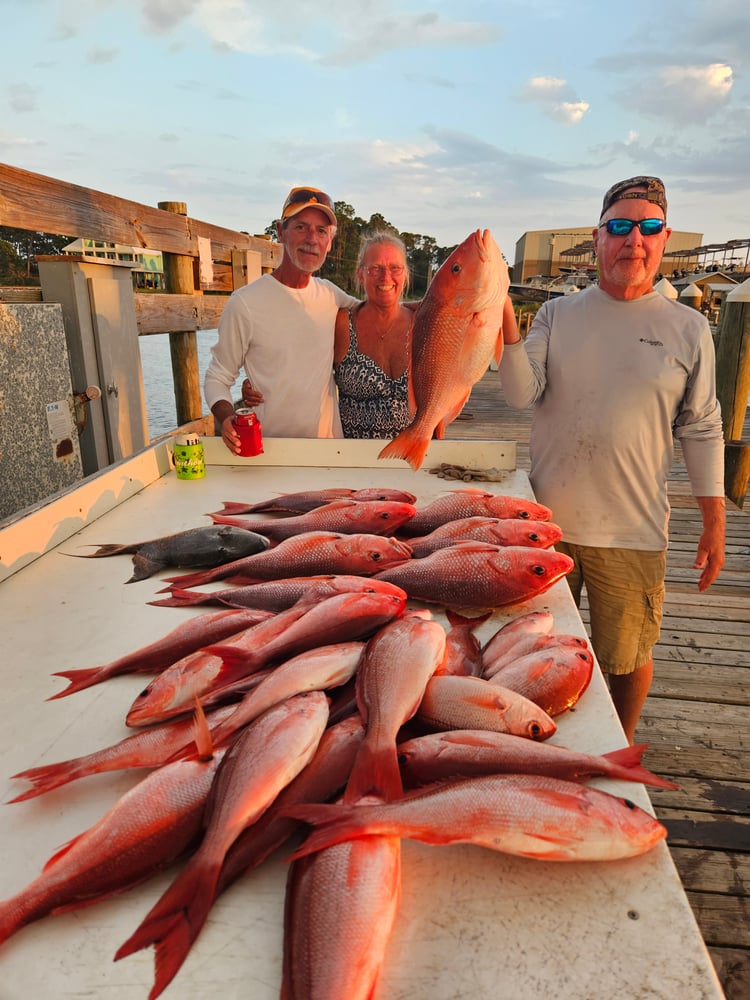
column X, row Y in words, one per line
column 45, row 778
column 79, row 681
column 375, row 772
column 234, row 507
column 174, row 923
column 627, row 763
column 190, row 580
column 454, row 618
column 183, row 599
column 103, row 550
column 409, row 445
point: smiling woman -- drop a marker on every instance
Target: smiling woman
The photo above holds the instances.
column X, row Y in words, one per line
column 371, row 353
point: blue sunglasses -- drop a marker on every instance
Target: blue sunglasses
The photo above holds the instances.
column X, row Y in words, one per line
column 624, row 227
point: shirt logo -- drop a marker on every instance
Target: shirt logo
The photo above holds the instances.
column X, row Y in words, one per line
column 653, row 343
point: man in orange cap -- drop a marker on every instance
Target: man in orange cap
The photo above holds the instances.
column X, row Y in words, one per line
column 615, row 373
column 279, row 328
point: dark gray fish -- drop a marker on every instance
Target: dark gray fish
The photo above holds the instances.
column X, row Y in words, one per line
column 195, row 548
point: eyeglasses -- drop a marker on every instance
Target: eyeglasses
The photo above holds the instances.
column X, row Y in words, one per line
column 307, row 196
column 624, row 227
column 395, row 270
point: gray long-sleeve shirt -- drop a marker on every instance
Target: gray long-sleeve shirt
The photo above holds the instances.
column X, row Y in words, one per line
column 613, row 383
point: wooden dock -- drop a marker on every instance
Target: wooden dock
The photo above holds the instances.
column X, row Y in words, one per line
column 696, row 720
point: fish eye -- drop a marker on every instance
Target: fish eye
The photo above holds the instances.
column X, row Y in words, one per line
column 535, row 730
column 456, row 268
column 538, row 570
column 628, row 803
column 375, row 556
column 534, row 537
column 524, row 514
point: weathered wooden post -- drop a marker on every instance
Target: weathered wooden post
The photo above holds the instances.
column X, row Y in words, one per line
column 733, row 388
column 183, row 344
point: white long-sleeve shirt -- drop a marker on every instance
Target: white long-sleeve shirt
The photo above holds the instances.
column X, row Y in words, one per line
column 283, row 339
column 613, row 383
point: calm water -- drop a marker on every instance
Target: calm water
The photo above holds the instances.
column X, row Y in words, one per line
column 157, row 378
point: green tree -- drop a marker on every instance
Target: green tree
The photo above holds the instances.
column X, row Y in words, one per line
column 26, row 245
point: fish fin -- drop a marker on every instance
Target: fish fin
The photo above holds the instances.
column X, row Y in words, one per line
column 202, row 733
column 79, row 681
column 144, row 568
column 103, row 550
column 454, row 618
column 629, row 759
column 183, row 599
column 234, row 507
column 174, row 923
column 45, row 778
column 375, row 772
column 409, row 445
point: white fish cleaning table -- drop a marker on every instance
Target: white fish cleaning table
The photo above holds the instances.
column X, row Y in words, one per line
column 472, row 923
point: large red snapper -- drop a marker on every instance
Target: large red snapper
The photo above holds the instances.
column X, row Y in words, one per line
column 466, row 753
column 501, row 644
column 310, row 554
column 457, row 332
column 479, row 575
column 458, row 504
column 524, row 814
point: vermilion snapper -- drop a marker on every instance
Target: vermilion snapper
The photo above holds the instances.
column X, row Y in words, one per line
column 150, row 748
column 314, row 670
column 524, row 814
column 186, row 638
column 459, row 504
column 495, row 530
column 301, row 503
column 396, row 666
column 528, row 645
column 310, row 554
column 532, row 623
column 279, row 595
column 479, row 575
column 466, row 753
column 554, row 678
column 451, row 702
column 264, row 758
column 349, row 517
column 457, row 332
column 146, row 830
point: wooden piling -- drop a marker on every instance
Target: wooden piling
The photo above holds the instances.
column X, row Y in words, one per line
column 179, row 278
column 733, row 388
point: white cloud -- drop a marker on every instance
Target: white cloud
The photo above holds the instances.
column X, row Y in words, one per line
column 22, row 98
column 555, row 98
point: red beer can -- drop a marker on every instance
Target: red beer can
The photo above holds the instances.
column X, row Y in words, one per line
column 248, row 427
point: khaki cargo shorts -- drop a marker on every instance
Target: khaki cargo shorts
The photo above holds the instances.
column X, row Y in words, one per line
column 625, row 590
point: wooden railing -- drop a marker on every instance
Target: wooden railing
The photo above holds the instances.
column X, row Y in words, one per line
column 193, row 300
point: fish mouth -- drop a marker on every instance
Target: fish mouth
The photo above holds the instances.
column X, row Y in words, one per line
column 483, row 239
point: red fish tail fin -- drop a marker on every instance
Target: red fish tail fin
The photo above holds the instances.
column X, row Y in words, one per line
column 235, row 507
column 409, row 445
column 44, row 779
column 184, row 599
column 454, row 618
column 375, row 772
column 190, row 580
column 628, row 759
column 79, row 681
column 174, row 923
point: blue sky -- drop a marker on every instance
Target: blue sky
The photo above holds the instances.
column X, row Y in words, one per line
column 443, row 117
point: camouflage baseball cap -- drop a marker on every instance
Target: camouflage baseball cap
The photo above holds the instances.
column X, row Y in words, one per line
column 654, row 192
